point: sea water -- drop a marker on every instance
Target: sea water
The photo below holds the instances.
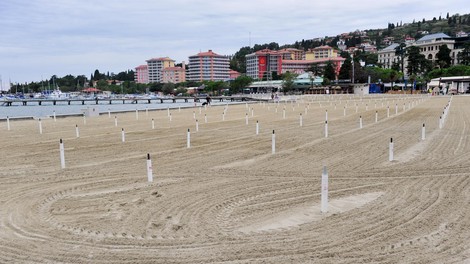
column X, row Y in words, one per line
column 47, row 109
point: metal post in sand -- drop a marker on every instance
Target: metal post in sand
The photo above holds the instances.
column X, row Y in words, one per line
column 149, row 169
column 62, row 155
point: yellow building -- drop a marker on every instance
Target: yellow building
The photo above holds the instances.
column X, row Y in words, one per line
column 155, row 67
column 321, row 52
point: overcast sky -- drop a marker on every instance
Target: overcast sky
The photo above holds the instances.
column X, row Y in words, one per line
column 40, row 38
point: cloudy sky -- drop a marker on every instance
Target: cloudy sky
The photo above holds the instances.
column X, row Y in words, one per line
column 40, row 38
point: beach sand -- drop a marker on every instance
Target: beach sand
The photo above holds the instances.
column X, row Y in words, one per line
column 228, row 199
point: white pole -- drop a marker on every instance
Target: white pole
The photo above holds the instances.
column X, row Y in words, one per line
column 54, row 116
column 257, row 127
column 390, row 150
column 344, row 111
column 376, row 116
column 404, row 107
column 77, row 132
column 388, row 111
column 62, row 155
column 440, row 122
column 396, row 109
column 194, row 115
column 252, row 112
column 301, row 120
column 356, row 107
column 149, row 169
column 305, row 109
column 123, row 135
column 153, row 124
column 109, row 113
column 423, row 132
column 205, row 118
column 115, row 121
column 273, row 143
column 360, row 121
column 8, row 123
column 40, row 126
column 136, row 114
column 84, row 119
column 188, row 139
column 197, row 125
column 324, row 190
column 168, row 111
column 326, row 129
column 170, row 117
column 246, row 118
column 179, row 108
column 326, row 114
column 223, row 116
column 367, row 107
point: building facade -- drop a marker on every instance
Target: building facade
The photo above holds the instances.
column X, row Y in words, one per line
column 208, row 66
column 155, row 68
column 386, row 57
column 141, row 74
column 428, row 45
column 321, row 52
column 173, row 75
column 263, row 63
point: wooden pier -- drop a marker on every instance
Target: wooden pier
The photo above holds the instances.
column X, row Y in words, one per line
column 69, row 101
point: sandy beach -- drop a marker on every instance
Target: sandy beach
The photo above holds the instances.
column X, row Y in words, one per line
column 228, row 198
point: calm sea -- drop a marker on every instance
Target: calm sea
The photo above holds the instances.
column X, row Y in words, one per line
column 47, row 109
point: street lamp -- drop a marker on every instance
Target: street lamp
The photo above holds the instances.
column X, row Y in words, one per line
column 352, row 61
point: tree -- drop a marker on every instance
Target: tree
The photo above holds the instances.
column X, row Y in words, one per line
column 102, row 84
column 346, row 69
column 329, row 71
column 239, row 83
column 443, row 57
column 416, row 61
column 168, row 88
column 464, row 55
column 315, row 69
column 288, row 82
column 400, row 52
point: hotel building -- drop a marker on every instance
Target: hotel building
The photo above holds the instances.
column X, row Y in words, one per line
column 156, row 66
column 174, row 75
column 208, row 66
column 141, row 74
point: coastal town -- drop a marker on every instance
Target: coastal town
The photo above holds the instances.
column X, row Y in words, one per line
column 320, row 65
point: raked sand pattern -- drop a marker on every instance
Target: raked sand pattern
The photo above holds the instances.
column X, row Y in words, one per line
column 228, row 199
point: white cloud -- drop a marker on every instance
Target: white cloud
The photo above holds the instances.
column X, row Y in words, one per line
column 45, row 37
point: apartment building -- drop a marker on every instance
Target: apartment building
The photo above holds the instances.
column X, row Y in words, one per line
column 155, row 68
column 208, row 66
column 141, row 74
